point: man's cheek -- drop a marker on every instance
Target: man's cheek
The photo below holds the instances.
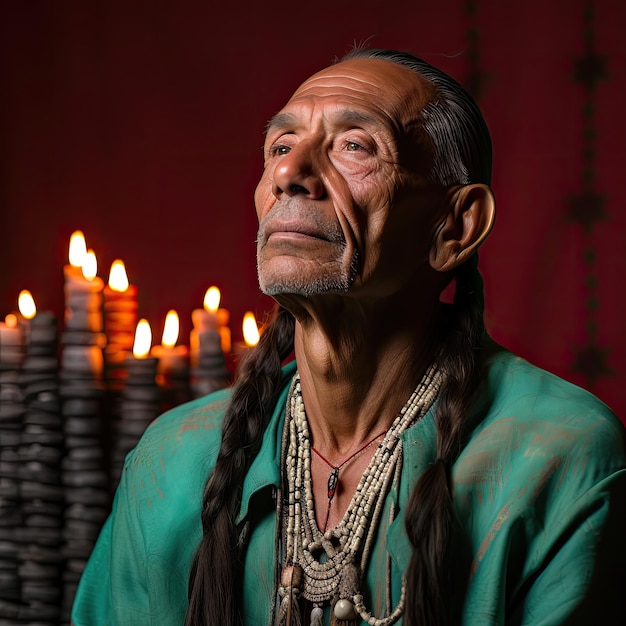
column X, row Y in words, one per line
column 263, row 198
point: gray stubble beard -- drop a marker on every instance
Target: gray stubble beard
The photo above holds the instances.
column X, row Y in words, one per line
column 297, row 285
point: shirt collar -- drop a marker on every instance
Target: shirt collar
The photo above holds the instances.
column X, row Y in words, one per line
column 418, row 452
column 265, row 468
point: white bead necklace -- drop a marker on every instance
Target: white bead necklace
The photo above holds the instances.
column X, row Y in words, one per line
column 326, row 567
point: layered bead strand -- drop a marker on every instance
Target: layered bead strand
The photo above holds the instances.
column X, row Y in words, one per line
column 347, row 546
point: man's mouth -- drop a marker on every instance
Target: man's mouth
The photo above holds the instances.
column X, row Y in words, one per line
column 280, row 229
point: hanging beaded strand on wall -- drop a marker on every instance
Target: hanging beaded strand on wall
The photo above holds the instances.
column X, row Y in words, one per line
column 588, row 207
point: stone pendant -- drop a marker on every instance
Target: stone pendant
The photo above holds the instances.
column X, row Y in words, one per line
column 343, row 614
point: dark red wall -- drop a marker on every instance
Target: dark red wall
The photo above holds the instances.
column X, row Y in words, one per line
column 143, row 127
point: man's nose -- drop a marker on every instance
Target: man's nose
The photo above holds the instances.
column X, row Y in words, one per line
column 298, row 173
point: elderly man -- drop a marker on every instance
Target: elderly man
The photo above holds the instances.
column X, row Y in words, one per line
column 402, row 468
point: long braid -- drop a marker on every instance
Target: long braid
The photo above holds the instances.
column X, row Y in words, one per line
column 461, row 154
column 429, row 517
column 214, row 583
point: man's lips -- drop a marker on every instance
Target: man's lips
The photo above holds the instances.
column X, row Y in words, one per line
column 291, row 229
column 280, row 229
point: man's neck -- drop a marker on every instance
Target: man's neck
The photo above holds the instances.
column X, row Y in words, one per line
column 357, row 369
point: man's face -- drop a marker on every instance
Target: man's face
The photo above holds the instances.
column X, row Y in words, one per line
column 343, row 203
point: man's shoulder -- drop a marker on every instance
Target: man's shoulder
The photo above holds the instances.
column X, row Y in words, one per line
column 199, row 419
column 528, row 408
column 184, row 439
column 515, row 384
column 184, row 442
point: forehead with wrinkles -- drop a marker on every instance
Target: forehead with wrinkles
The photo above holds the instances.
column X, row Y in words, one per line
column 397, row 91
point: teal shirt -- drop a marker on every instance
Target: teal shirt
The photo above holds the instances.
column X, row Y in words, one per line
column 540, row 490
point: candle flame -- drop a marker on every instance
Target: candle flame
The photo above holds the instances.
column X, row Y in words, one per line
column 90, row 265
column 212, row 299
column 170, row 329
column 78, row 248
column 11, row 320
column 143, row 340
column 250, row 329
column 26, row 304
column 118, row 280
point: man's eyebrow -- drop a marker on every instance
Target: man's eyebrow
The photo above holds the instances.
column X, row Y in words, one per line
column 350, row 116
column 283, row 121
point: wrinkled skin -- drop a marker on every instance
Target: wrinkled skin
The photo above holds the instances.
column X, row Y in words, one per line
column 343, row 201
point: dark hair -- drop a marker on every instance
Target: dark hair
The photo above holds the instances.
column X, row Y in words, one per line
column 216, row 562
column 461, row 154
column 451, row 120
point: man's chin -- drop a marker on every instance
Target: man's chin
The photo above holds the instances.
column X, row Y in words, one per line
column 298, row 286
column 284, row 275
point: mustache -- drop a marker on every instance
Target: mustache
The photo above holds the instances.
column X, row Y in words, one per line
column 295, row 216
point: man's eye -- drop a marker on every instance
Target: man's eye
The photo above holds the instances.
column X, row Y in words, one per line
column 279, row 150
column 352, row 146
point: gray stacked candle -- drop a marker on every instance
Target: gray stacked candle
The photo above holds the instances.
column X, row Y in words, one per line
column 209, row 339
column 11, row 414
column 41, row 491
column 140, row 402
column 85, row 477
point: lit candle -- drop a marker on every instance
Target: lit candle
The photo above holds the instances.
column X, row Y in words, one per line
column 143, row 340
column 140, row 398
column 173, row 367
column 82, row 339
column 26, row 304
column 209, row 337
column 250, row 329
column 77, row 253
column 28, row 310
column 251, row 337
column 209, row 319
column 89, row 268
column 141, row 366
column 120, row 319
column 41, row 337
column 83, row 289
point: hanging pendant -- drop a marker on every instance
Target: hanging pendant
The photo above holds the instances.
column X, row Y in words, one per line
column 333, row 479
column 289, row 590
column 317, row 616
column 344, row 613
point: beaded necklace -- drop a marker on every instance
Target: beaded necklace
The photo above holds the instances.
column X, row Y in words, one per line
column 326, row 566
column 333, row 478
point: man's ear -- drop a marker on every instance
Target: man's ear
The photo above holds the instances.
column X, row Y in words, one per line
column 469, row 219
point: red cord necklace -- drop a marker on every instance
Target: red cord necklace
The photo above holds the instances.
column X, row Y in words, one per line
column 333, row 479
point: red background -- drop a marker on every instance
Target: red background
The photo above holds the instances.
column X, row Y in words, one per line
column 142, row 126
